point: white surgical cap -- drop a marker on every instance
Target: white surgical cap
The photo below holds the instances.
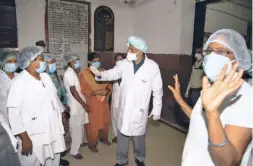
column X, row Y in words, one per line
column 5, row 55
column 70, row 57
column 234, row 42
column 48, row 58
column 27, row 55
column 138, row 43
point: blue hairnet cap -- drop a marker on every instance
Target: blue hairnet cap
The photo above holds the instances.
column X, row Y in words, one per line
column 48, row 58
column 6, row 55
column 138, row 43
column 27, row 55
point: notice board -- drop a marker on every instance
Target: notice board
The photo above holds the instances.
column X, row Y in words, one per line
column 67, row 26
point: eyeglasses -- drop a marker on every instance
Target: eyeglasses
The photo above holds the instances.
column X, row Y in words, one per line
column 219, row 51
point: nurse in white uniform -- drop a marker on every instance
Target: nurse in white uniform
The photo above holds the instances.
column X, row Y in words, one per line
column 220, row 129
column 116, row 98
column 8, row 66
column 77, row 104
column 140, row 77
column 8, row 143
column 35, row 112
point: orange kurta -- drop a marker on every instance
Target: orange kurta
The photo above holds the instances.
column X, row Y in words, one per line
column 99, row 113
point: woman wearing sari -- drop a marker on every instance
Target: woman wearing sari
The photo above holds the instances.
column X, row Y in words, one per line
column 97, row 96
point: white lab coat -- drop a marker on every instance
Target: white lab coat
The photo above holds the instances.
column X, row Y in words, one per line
column 235, row 111
column 70, row 79
column 115, row 106
column 34, row 107
column 5, row 83
column 135, row 94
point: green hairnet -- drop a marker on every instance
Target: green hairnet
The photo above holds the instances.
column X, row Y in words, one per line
column 138, row 43
column 5, row 55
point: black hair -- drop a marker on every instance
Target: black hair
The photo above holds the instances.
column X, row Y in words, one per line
column 69, row 64
column 119, row 54
column 92, row 55
column 40, row 43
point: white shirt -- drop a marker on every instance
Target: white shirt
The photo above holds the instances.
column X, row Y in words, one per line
column 234, row 112
column 115, row 95
column 34, row 107
column 71, row 79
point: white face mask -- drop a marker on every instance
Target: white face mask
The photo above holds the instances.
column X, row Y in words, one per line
column 213, row 65
column 132, row 56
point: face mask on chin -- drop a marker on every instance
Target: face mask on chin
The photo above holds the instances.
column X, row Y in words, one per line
column 213, row 65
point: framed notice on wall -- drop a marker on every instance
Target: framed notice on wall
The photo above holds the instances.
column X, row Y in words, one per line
column 67, row 29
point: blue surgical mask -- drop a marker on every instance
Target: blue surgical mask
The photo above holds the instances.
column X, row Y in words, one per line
column 10, row 67
column 77, row 65
column 52, row 68
column 96, row 64
column 42, row 67
column 213, row 65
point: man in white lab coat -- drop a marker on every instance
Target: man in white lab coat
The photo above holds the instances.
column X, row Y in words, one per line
column 8, row 143
column 35, row 112
column 116, row 98
column 140, row 77
column 77, row 104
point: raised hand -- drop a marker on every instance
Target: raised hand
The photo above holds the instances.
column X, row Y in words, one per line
column 213, row 95
column 176, row 89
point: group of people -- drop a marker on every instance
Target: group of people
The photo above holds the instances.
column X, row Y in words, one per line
column 39, row 110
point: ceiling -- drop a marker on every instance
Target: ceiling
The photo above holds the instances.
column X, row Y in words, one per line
column 246, row 3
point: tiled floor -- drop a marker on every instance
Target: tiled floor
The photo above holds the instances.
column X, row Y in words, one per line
column 164, row 148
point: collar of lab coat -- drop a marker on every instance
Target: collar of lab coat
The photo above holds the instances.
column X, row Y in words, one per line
column 4, row 75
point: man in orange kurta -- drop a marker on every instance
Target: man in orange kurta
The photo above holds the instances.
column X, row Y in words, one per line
column 97, row 95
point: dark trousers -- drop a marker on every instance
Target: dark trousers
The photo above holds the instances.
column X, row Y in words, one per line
column 123, row 144
column 194, row 95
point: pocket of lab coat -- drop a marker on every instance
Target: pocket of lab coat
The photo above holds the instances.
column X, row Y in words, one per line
column 36, row 126
column 139, row 115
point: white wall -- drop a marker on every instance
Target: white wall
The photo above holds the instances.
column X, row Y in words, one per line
column 216, row 20
column 167, row 26
column 31, row 28
column 30, row 21
column 163, row 22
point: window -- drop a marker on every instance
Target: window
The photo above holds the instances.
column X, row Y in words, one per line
column 104, row 29
column 8, row 24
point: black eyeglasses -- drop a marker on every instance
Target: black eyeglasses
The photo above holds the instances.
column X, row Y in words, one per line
column 219, row 51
